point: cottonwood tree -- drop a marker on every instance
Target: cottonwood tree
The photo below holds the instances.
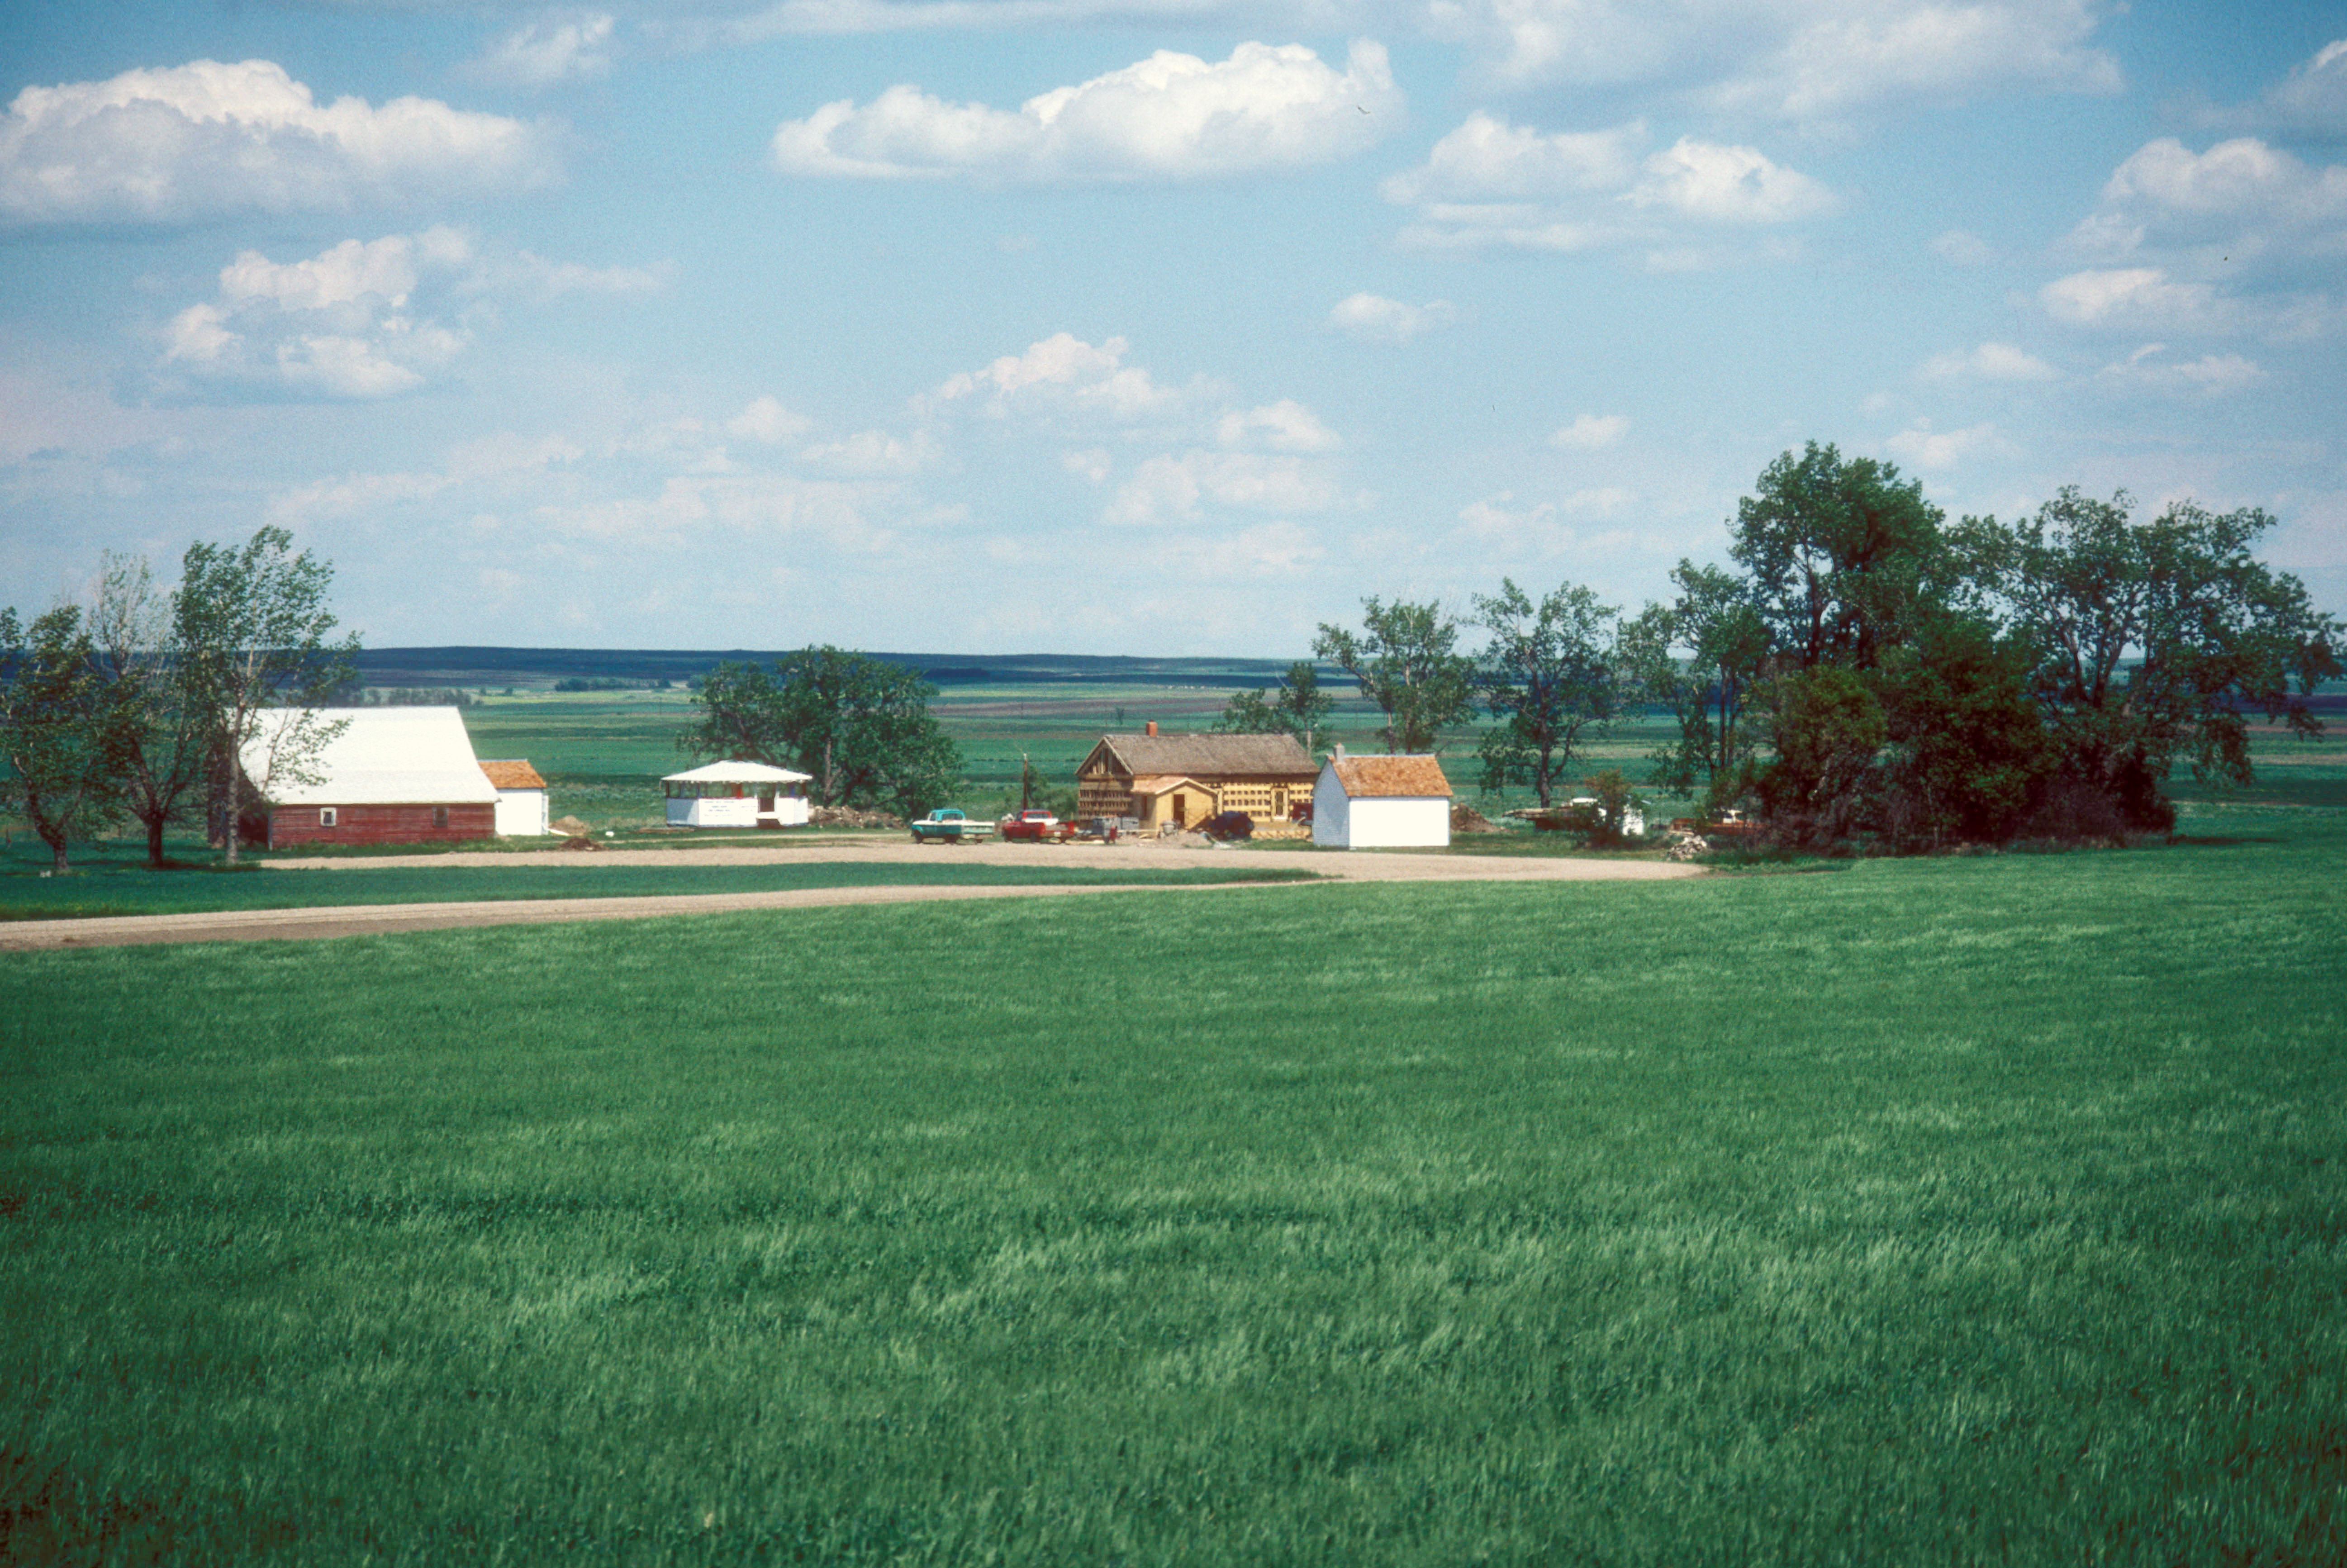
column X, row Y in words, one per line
column 56, row 727
column 1727, row 655
column 1296, row 706
column 1554, row 676
column 251, row 626
column 162, row 744
column 2152, row 642
column 1840, row 557
column 1407, row 661
column 860, row 727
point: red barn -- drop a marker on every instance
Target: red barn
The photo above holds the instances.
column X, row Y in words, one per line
column 390, row 775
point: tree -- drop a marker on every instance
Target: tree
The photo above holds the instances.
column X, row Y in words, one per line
column 2150, row 643
column 1729, row 651
column 1553, row 675
column 1407, row 661
column 162, row 737
column 1827, row 726
column 1967, row 750
column 1296, row 706
column 55, row 724
column 251, row 626
column 861, row 727
column 1840, row 557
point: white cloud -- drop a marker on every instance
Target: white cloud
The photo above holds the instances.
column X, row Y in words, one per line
column 1092, row 463
column 1175, row 487
column 1372, row 319
column 2309, row 105
column 1590, row 432
column 1065, row 369
column 1486, row 157
column 765, row 419
column 1169, row 116
column 1989, row 362
column 2131, row 297
column 1727, row 185
column 1801, row 60
column 1284, row 426
column 1488, row 183
column 2211, row 375
column 1962, row 248
column 195, row 141
column 1920, row 447
column 555, row 48
column 2250, row 201
column 870, row 453
column 340, row 324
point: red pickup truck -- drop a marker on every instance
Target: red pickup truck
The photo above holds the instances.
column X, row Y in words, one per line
column 1040, row 826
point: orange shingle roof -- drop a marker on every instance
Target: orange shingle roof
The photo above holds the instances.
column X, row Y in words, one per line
column 513, row 775
column 1392, row 776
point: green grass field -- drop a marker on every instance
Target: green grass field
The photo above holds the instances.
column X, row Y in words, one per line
column 1963, row 1210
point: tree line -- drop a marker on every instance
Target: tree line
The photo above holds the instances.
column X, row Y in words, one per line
column 140, row 704
column 1867, row 672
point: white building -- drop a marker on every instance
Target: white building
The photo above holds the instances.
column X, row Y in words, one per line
column 736, row 794
column 365, row 775
column 1381, row 803
column 522, row 811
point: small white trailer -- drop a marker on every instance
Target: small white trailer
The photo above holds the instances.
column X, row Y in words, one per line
column 736, row 794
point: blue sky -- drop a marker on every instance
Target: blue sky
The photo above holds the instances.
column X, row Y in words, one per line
column 1134, row 326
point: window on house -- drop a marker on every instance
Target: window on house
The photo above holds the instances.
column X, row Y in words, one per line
column 325, row 816
column 439, row 816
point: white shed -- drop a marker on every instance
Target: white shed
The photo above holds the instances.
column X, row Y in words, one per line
column 522, row 810
column 736, row 794
column 1381, row 803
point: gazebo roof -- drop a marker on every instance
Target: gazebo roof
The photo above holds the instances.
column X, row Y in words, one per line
column 737, row 772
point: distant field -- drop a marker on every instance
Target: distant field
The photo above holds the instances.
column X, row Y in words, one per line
column 1941, row 1210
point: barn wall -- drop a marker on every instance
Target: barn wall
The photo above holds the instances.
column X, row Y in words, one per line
column 293, row 824
column 1331, row 818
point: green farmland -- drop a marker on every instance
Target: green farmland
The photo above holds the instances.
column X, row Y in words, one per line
column 1940, row 1211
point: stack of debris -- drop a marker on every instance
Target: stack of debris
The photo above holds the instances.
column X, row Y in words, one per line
column 848, row 817
column 1690, row 846
column 1467, row 819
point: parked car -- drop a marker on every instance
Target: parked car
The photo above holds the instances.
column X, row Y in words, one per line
column 1039, row 826
column 948, row 824
column 1229, row 824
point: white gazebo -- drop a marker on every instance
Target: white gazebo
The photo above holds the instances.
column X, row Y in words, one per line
column 736, row 794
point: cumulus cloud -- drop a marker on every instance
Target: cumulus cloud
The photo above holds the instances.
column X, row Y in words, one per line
column 1801, row 60
column 1920, row 447
column 870, row 453
column 1591, row 432
column 765, row 419
column 554, row 49
column 197, row 141
column 363, row 319
column 1064, row 370
column 1369, row 318
column 2251, row 201
column 1284, row 426
column 1169, row 116
column 1962, row 248
column 1176, row 486
column 2310, row 105
column 2133, row 297
column 1989, row 362
column 340, row 324
column 2209, row 376
column 1491, row 183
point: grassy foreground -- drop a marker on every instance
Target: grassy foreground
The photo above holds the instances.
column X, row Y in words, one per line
column 1933, row 1212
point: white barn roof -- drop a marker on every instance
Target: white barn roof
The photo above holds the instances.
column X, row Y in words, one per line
column 737, row 772
column 383, row 756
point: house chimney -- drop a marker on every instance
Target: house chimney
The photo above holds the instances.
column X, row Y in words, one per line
column 1152, row 727
column 1340, row 751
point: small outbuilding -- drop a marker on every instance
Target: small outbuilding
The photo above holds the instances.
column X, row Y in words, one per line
column 522, row 811
column 387, row 775
column 1381, row 803
column 736, row 794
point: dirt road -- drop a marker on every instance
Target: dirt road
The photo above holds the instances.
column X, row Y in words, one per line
column 359, row 919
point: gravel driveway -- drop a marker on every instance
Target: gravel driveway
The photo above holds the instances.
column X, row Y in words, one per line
column 358, row 920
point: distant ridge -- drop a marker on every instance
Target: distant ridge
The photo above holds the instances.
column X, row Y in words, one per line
column 482, row 666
